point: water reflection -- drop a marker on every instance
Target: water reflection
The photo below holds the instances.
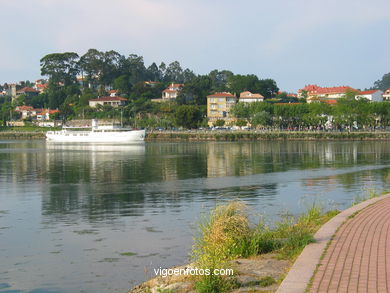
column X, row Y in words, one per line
column 81, row 205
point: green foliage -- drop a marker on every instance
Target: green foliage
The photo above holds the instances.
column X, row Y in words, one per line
column 60, row 67
column 261, row 118
column 266, row 281
column 195, row 91
column 219, row 123
column 239, row 83
column 188, row 116
column 241, row 123
column 226, row 234
column 384, row 83
column 221, row 238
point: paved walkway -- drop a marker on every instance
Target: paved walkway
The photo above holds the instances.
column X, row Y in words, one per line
column 358, row 259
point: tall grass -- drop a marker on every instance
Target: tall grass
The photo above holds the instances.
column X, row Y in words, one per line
column 223, row 236
column 226, row 234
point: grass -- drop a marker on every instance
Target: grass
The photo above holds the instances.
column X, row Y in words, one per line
column 227, row 234
column 371, row 193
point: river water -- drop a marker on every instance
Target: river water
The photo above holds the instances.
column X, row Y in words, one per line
column 100, row 218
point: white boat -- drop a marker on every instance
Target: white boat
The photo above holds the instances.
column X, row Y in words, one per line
column 100, row 134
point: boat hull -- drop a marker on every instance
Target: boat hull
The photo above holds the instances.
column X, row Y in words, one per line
column 98, row 137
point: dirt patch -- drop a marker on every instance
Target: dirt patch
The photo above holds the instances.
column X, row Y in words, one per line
column 256, row 274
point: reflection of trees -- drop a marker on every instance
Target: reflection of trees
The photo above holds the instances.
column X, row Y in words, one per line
column 99, row 182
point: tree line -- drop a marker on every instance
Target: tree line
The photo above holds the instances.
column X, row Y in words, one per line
column 348, row 113
column 73, row 80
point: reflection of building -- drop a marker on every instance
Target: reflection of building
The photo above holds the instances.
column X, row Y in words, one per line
column 219, row 106
column 108, row 101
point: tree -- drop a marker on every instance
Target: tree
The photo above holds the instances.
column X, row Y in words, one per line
column 384, row 83
column 241, row 123
column 122, row 84
column 153, row 73
column 174, row 73
column 188, row 116
column 195, row 91
column 85, row 97
column 261, row 118
column 241, row 110
column 219, row 80
column 239, row 83
column 60, row 67
column 219, row 123
column 266, row 87
column 135, row 69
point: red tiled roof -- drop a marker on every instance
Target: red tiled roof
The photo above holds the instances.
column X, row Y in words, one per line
column 169, row 91
column 330, row 102
column 310, row 87
column 24, row 108
column 222, row 95
column 27, row 90
column 249, row 95
column 368, row 92
column 175, row 85
column 106, row 99
column 333, row 90
column 112, row 91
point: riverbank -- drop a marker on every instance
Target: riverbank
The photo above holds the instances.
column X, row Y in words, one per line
column 263, row 135
column 258, row 257
column 267, row 267
column 226, row 135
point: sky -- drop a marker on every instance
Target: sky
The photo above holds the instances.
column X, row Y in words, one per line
column 295, row 42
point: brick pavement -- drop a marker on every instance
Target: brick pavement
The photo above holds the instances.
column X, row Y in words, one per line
column 358, row 258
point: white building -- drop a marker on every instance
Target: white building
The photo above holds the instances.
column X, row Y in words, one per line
column 372, row 95
column 386, row 95
column 108, row 101
column 172, row 91
column 248, row 97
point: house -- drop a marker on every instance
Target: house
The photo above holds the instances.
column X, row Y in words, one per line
column 219, row 106
column 386, row 95
column 28, row 91
column 315, row 93
column 108, row 101
column 44, row 114
column 172, row 91
column 26, row 111
column 38, row 114
column 248, row 97
column 371, row 95
column 40, row 85
column 113, row 93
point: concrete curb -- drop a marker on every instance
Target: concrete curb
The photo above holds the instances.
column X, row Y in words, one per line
column 303, row 269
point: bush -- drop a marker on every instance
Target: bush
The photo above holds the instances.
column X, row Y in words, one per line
column 226, row 235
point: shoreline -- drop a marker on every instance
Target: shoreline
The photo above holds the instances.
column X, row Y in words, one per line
column 184, row 136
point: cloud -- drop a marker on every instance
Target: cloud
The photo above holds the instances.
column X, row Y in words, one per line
column 252, row 36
